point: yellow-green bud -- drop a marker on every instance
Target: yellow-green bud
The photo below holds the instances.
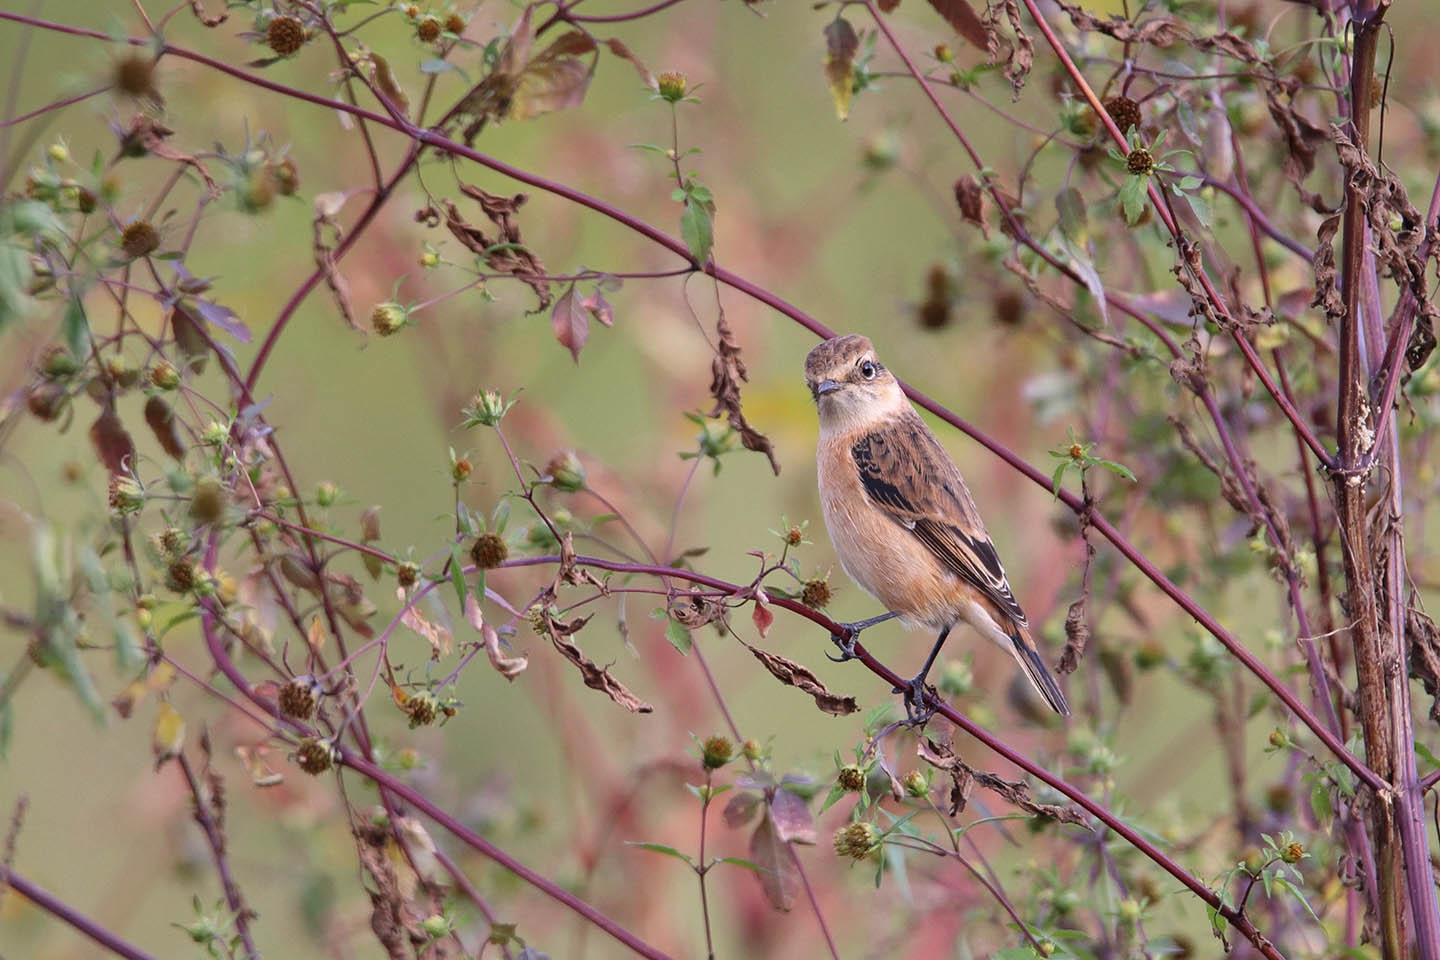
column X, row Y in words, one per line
column 672, row 86
column 916, row 784
column 326, row 493
column 857, row 840
column 715, row 752
column 388, row 318
column 566, row 472
column 215, row 434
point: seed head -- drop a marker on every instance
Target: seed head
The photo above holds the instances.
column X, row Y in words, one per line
column 135, row 76
column 421, row 708
column 489, row 551
column 815, row 594
column 428, row 29
column 566, row 472
column 851, row 778
column 85, row 201
column 455, row 24
column 794, row 536
column 207, row 503
column 1279, row 738
column 412, row 11
column 314, row 756
column 388, row 318
column 1124, row 111
column 715, row 752
column 299, row 696
column 672, row 86
column 1139, row 162
column 857, row 840
column 1009, row 307
column 139, row 239
column 285, row 35
column 1292, row 853
column 407, row 573
column 486, row 408
column 180, row 575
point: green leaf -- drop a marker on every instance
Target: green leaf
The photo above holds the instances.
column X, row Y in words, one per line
column 457, row 573
column 436, row 66
column 678, row 636
column 660, row 848
column 1058, row 477
column 1071, row 207
column 1119, row 469
column 1133, row 197
column 1320, row 802
column 1201, row 208
column 697, row 230
column 75, row 328
column 1295, row 892
column 7, row 726
column 739, row 862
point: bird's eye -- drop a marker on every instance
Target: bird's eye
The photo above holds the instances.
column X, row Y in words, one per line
column 867, row 370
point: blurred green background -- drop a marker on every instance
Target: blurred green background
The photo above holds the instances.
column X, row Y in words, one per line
column 843, row 219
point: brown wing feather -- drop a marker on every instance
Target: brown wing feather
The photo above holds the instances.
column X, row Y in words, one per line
column 906, row 473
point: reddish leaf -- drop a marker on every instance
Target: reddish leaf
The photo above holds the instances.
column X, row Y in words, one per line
column 188, row 337
column 778, row 876
column 112, row 444
column 762, row 615
column 620, row 50
column 599, row 308
column 888, row 6
column 793, row 821
column 571, row 323
column 741, row 808
column 162, row 423
column 964, row 21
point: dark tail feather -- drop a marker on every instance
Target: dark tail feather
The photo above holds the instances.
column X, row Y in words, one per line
column 1039, row 674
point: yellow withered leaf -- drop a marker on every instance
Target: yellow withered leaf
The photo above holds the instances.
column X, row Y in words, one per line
column 169, row 734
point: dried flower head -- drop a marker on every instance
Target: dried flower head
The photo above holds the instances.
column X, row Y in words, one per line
column 126, row 496
column 139, row 239
column 299, row 696
column 422, row 708
column 314, row 756
column 180, row 575
column 851, row 778
column 1140, row 162
column 815, row 594
column 455, row 23
column 134, row 75
column 407, row 573
column 715, row 752
column 672, row 86
column 857, row 840
column 287, row 177
column 285, row 35
column 1124, row 111
column 489, row 551
column 207, row 503
column 428, row 29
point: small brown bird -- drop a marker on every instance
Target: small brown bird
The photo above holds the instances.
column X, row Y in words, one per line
column 902, row 520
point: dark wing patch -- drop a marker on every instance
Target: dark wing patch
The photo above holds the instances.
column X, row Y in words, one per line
column 905, row 472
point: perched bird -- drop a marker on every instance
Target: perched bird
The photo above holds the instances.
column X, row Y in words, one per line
column 902, row 521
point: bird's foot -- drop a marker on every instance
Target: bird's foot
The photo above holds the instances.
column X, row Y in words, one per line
column 921, row 701
column 845, row 640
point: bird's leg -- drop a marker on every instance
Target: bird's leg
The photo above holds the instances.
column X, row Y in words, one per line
column 845, row 637
column 916, row 710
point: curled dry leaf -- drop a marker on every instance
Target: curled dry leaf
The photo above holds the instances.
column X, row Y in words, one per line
column 522, row 86
column 161, row 420
column 970, row 197
column 507, row 667
column 436, row 635
column 762, row 616
column 964, row 778
column 209, row 20
column 727, row 372
column 618, row 48
column 793, row 674
column 595, row 676
column 506, row 252
column 326, row 234
column 149, row 135
column 964, row 21
column 1021, row 55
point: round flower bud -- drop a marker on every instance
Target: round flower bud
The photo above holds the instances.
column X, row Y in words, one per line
column 455, row 24
column 58, row 152
column 1129, row 910
column 429, row 259
column 85, row 201
column 815, row 594
column 752, row 750
column 139, row 239
column 461, row 469
column 421, row 708
column 326, row 494
column 566, row 472
column 215, row 434
column 285, row 35
column 857, row 840
column 314, row 756
column 207, row 503
column 47, row 400
column 428, row 29
column 388, row 318
column 489, row 551
column 435, row 926
column 943, row 53
column 126, row 496
column 851, row 778
column 916, row 784
column 180, row 575
column 299, row 696
column 58, row 363
column 1149, row 655
column 1292, row 853
column 1140, row 162
column 164, row 376
column 1279, row 738
column 716, row 752
column 672, row 86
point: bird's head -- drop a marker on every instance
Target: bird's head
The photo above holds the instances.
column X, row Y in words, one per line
column 850, row 386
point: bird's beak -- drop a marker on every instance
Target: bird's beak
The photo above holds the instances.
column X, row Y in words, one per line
column 824, row 387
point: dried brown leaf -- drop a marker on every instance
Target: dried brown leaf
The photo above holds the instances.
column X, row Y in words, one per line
column 794, row 823
column 964, row 21
column 964, row 778
column 793, row 674
column 440, row 639
column 595, row 676
column 513, row 257
column 198, row 8
column 112, row 443
column 727, row 372
column 970, row 197
column 618, row 48
column 1327, row 274
column 762, row 616
column 150, row 135
column 571, row 322
column 161, row 420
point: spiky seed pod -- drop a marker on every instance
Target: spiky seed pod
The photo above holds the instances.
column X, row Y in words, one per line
column 135, row 76
column 715, row 752
column 428, row 29
column 180, row 575
column 851, row 778
column 489, row 551
column 857, row 840
column 314, row 756
column 1124, row 111
column 815, row 594
column 422, row 709
column 285, row 35
column 139, row 239
column 299, row 696
column 1140, row 162
column 407, row 573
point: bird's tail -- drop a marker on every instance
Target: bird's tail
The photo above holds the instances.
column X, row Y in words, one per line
column 1029, row 658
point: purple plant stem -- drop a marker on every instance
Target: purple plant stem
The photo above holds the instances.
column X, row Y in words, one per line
column 399, row 788
column 56, row 105
column 1241, row 923
column 58, row 908
column 215, row 837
